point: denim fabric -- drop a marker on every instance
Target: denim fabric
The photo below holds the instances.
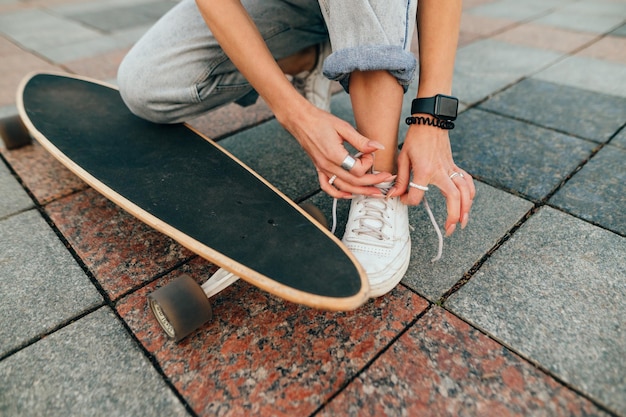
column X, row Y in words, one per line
column 370, row 35
column 177, row 70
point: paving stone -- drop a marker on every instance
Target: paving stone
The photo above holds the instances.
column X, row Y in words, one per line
column 609, row 48
column 555, row 293
column 596, row 192
column 112, row 19
column 620, row 139
column 620, row 31
column 484, row 67
column 515, row 155
column 14, row 198
column 588, row 74
column 38, row 30
column 586, row 22
column 546, row 37
column 494, row 212
column 264, row 356
column 91, row 367
column 571, row 110
column 121, row 252
column 513, row 10
column 443, row 367
column 41, row 285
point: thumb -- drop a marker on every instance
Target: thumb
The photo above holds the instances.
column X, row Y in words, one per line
column 360, row 142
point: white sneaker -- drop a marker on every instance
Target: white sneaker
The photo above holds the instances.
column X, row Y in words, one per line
column 312, row 84
column 378, row 235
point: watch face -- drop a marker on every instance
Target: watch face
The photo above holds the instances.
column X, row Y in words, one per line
column 446, row 107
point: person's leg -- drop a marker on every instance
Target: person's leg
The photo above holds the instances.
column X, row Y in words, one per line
column 178, row 71
column 372, row 60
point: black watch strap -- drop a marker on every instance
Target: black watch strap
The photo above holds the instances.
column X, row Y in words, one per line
column 440, row 106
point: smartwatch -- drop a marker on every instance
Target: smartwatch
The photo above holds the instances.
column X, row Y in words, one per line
column 440, row 106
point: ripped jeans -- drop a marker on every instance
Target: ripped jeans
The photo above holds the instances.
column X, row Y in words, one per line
column 178, row 71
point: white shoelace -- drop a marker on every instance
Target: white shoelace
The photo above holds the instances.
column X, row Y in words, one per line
column 375, row 212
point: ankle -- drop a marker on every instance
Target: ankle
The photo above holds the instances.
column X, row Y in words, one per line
column 303, row 60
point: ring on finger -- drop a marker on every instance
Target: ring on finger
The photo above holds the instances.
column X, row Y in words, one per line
column 419, row 187
column 348, row 163
column 332, row 179
column 456, row 174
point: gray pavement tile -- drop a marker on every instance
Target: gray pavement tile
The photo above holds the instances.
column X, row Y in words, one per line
column 14, row 198
column 494, row 213
column 89, row 368
column 487, row 66
column 588, row 74
column 38, row 30
column 514, row 10
column 578, row 112
column 80, row 49
column 596, row 193
column 515, row 155
column 620, row 31
column 555, row 294
column 596, row 17
column 620, row 139
column 123, row 17
column 41, row 286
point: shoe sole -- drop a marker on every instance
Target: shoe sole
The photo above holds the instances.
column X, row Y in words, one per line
column 391, row 283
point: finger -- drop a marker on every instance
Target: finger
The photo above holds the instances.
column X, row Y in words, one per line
column 329, row 188
column 465, row 197
column 453, row 204
column 403, row 178
column 360, row 142
column 414, row 195
column 356, row 190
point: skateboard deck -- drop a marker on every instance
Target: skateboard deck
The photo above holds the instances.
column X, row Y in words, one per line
column 188, row 187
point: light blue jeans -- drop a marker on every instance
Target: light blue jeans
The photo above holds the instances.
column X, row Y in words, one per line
column 178, row 71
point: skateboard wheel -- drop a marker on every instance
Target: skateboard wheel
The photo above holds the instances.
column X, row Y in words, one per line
column 180, row 307
column 14, row 133
column 315, row 212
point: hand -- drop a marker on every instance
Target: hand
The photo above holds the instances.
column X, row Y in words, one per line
column 427, row 154
column 322, row 135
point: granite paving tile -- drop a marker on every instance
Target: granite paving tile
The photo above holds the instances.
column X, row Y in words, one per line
column 42, row 174
column 444, row 367
column 264, row 356
column 494, row 213
column 101, row 67
column 89, row 368
column 515, row 155
column 555, row 293
column 120, row 251
column 117, row 18
column 620, row 31
column 14, row 199
column 80, row 49
column 483, row 26
column 609, row 48
column 571, row 110
column 596, row 193
column 546, row 37
column 41, row 285
column 486, row 66
column 15, row 65
column 587, row 73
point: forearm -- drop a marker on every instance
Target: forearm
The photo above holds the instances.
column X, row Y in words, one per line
column 243, row 44
column 438, row 32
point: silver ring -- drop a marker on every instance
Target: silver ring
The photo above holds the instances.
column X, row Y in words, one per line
column 419, row 187
column 332, row 179
column 348, row 163
column 455, row 174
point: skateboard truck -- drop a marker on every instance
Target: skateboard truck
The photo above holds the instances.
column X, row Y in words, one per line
column 14, row 133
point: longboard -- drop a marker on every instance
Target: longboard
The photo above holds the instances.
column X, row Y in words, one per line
column 188, row 187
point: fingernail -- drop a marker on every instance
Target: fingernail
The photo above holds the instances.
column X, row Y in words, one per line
column 464, row 220
column 374, row 144
column 391, row 192
column 390, row 178
column 450, row 229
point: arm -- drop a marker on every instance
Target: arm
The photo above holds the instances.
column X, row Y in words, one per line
column 426, row 151
column 319, row 133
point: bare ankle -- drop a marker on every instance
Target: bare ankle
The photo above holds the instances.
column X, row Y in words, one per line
column 303, row 60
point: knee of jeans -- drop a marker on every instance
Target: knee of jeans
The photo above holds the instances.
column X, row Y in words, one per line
column 139, row 96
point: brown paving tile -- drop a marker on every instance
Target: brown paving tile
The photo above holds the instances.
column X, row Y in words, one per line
column 545, row 37
column 120, row 251
column 15, row 65
column 101, row 67
column 483, row 26
column 468, row 4
column 444, row 367
column 43, row 175
column 610, row 48
column 265, row 357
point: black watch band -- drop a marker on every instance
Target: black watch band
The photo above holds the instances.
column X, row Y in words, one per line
column 440, row 106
